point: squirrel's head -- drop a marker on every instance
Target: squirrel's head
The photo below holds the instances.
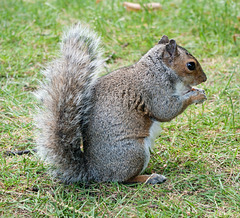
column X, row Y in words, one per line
column 182, row 62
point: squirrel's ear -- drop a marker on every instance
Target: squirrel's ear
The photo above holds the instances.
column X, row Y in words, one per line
column 164, row 40
column 171, row 47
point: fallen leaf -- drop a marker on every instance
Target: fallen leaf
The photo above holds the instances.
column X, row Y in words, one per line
column 137, row 7
column 132, row 6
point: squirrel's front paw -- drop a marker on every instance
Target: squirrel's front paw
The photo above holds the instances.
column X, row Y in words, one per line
column 198, row 96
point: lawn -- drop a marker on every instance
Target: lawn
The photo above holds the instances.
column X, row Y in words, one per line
column 198, row 151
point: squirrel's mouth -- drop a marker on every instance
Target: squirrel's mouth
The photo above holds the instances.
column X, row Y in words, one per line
column 189, row 89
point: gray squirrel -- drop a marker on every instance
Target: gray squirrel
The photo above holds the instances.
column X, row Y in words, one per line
column 102, row 129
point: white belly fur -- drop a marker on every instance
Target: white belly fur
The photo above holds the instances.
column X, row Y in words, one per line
column 154, row 131
column 181, row 89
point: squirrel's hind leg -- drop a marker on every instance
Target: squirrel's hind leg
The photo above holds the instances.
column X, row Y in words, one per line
column 148, row 179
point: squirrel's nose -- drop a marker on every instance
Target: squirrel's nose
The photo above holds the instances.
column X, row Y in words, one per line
column 204, row 77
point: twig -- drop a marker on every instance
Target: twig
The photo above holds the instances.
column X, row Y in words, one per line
column 9, row 153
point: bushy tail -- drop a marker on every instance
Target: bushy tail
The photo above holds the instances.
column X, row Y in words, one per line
column 65, row 97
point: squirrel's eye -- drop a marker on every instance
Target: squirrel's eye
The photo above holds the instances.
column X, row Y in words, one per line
column 191, row 65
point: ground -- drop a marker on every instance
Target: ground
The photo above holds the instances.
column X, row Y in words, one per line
column 198, row 151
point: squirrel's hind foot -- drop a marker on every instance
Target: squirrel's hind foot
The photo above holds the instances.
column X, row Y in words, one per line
column 156, row 179
column 148, row 179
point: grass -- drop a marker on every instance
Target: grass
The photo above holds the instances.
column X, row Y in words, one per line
column 198, row 151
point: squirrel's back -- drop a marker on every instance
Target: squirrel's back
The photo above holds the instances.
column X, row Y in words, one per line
column 66, row 100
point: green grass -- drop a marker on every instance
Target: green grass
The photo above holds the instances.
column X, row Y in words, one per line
column 198, row 151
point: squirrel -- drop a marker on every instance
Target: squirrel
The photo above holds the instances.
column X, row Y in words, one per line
column 95, row 128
